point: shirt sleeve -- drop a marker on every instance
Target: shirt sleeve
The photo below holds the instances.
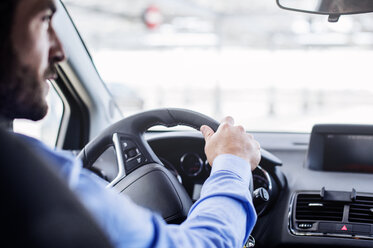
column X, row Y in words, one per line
column 224, row 215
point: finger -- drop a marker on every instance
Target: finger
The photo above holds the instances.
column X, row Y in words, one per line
column 241, row 129
column 259, row 158
column 229, row 120
column 257, row 144
column 207, row 132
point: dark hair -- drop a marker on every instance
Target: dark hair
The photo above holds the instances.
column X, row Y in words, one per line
column 7, row 10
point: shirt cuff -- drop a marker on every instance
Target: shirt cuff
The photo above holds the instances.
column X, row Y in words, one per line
column 232, row 163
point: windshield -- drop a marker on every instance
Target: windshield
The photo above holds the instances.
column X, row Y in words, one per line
column 271, row 69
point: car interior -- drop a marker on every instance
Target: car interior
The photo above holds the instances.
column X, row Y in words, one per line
column 312, row 188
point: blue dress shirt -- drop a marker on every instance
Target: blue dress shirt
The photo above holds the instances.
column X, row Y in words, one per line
column 223, row 216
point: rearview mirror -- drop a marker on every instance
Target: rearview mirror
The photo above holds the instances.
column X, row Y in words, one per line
column 333, row 8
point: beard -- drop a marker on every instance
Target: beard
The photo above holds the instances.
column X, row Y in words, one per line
column 23, row 93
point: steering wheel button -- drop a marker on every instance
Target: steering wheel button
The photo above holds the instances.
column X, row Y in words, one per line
column 127, row 144
column 135, row 162
column 132, row 153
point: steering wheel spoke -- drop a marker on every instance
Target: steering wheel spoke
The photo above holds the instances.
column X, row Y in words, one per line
column 120, row 162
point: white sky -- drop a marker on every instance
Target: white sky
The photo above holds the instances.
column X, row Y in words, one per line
column 238, row 68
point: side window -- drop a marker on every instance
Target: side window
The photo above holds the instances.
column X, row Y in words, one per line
column 48, row 128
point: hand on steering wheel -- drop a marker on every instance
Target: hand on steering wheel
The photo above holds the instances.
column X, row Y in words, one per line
column 230, row 139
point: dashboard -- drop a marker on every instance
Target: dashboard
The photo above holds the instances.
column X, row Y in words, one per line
column 297, row 205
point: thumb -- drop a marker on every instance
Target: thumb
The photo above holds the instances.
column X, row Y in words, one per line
column 207, row 132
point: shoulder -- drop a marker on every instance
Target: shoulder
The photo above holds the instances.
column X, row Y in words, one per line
column 64, row 162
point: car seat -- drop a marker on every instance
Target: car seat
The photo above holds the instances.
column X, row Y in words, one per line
column 37, row 208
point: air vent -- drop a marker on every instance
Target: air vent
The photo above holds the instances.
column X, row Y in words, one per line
column 310, row 207
column 361, row 210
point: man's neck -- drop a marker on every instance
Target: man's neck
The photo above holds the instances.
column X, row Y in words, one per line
column 6, row 123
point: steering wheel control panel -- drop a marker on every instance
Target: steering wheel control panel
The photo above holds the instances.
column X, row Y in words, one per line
column 332, row 213
column 128, row 154
column 131, row 154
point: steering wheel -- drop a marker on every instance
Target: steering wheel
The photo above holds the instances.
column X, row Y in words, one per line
column 141, row 174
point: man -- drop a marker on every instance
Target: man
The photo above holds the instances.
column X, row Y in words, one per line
column 222, row 217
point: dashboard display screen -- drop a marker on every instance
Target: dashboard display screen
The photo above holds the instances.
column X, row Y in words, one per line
column 348, row 153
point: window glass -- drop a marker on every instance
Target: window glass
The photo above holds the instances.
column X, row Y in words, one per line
column 271, row 69
column 46, row 129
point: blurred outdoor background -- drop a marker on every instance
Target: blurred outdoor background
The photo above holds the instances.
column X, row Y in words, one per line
column 271, row 69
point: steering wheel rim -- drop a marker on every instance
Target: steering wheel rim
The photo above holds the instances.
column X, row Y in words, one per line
column 137, row 160
column 136, row 125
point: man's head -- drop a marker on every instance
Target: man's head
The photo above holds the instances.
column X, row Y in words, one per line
column 29, row 48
